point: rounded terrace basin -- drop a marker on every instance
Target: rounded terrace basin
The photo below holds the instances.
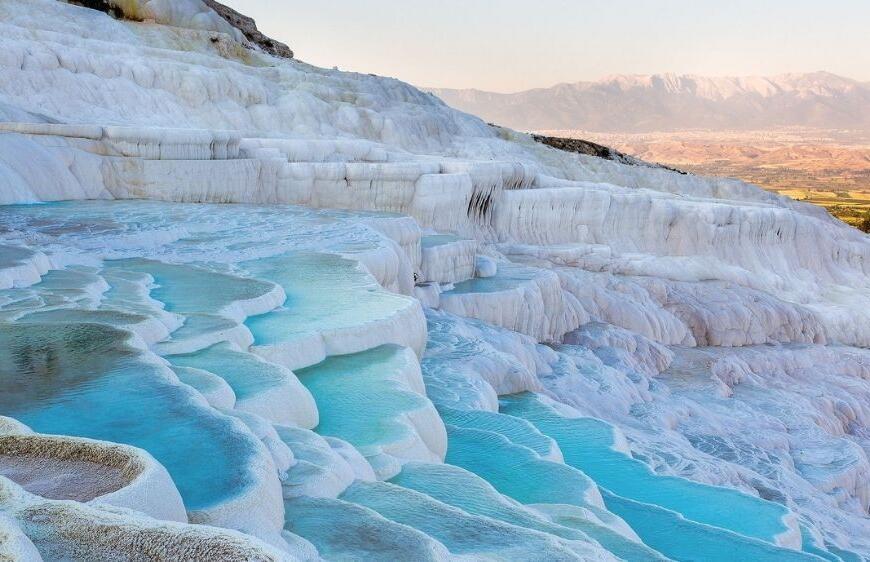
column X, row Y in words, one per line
column 589, row 444
column 333, row 307
column 463, row 533
column 186, row 289
column 509, row 276
column 66, row 469
column 466, row 491
column 447, row 258
column 261, row 388
column 85, row 380
column 375, row 400
column 20, row 266
column 522, row 299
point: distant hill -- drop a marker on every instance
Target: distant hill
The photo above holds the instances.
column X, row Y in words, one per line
column 668, row 102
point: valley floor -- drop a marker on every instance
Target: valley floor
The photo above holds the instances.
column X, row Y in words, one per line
column 830, row 169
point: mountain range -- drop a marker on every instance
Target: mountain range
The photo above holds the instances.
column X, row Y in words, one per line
column 668, row 102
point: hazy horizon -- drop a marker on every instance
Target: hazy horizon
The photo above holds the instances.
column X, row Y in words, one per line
column 681, row 74
column 508, row 47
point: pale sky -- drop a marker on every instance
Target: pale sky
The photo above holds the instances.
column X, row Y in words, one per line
column 513, row 45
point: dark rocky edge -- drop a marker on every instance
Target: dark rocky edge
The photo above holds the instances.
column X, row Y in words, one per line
column 243, row 23
column 105, row 6
column 580, row 146
column 249, row 28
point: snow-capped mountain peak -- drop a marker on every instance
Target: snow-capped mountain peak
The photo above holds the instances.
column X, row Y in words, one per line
column 674, row 101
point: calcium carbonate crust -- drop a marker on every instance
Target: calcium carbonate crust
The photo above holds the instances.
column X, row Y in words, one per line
column 701, row 325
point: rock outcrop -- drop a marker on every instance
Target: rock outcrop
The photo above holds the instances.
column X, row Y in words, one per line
column 588, row 148
column 248, row 27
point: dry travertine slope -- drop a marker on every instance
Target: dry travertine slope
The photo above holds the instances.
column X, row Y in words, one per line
column 685, row 311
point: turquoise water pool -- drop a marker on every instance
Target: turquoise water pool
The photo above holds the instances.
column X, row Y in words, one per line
column 509, row 276
column 324, row 292
column 246, row 374
column 362, row 398
column 433, row 240
column 587, row 444
column 188, row 289
column 84, row 380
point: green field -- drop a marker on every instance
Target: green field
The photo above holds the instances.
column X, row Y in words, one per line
column 844, row 195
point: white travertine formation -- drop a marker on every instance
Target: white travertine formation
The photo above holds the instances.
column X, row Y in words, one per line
column 447, row 259
column 63, row 530
column 699, row 328
column 20, row 266
column 91, row 471
column 14, row 544
column 526, row 300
